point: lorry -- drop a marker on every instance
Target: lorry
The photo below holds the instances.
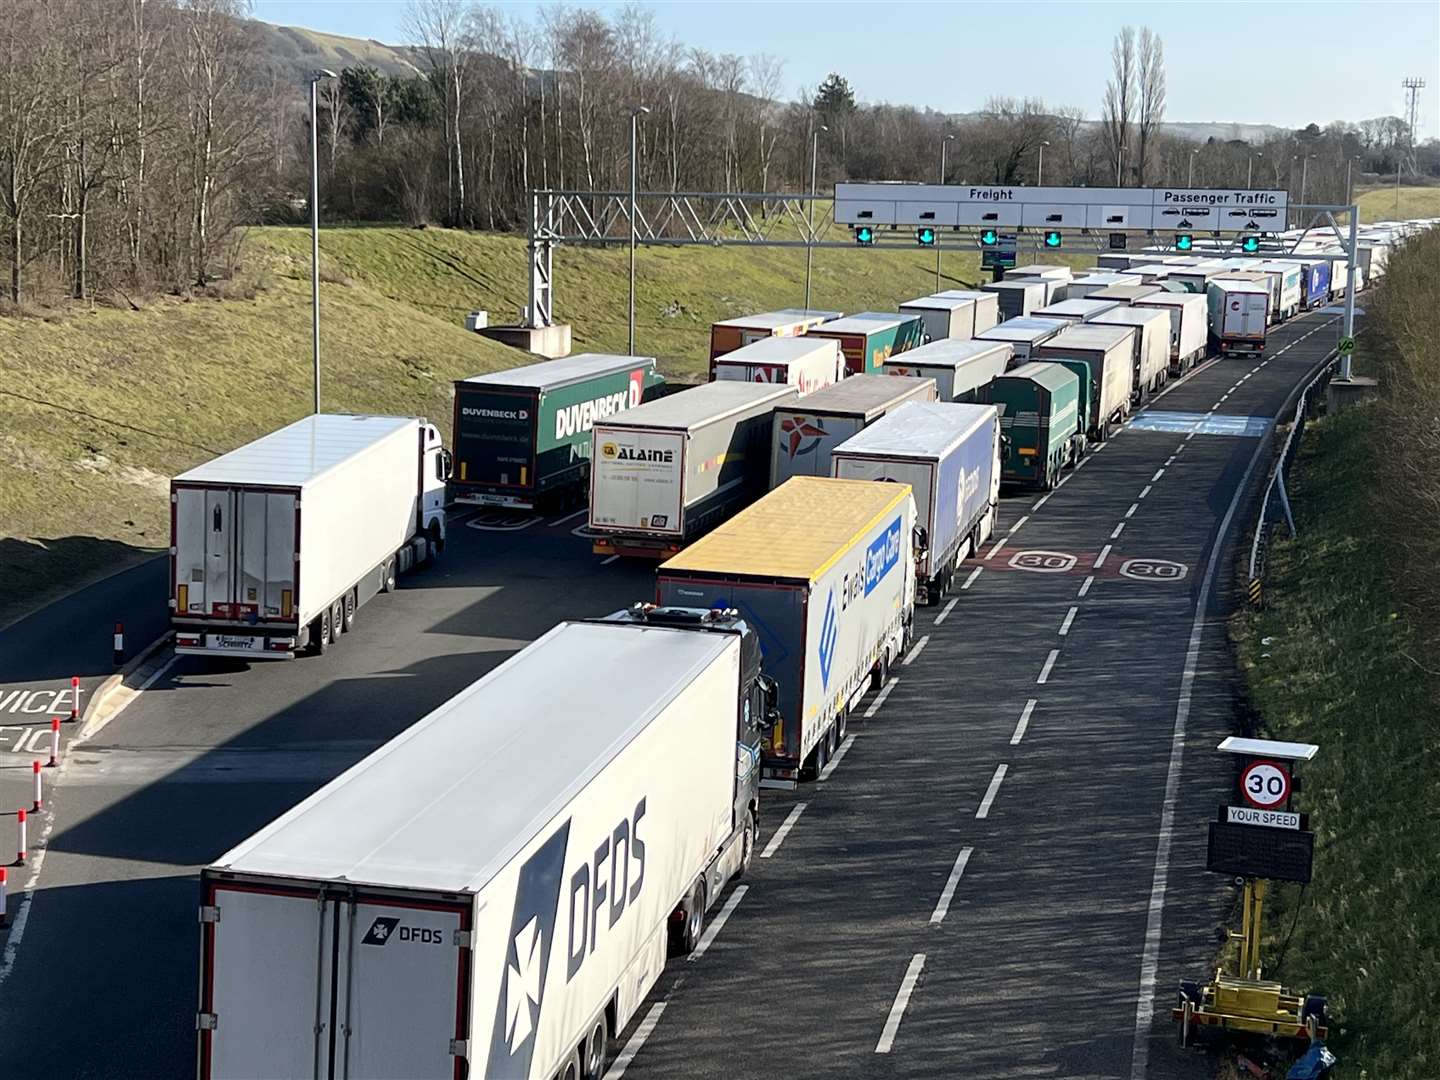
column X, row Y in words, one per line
column 959, row 367
column 943, row 315
column 672, row 469
column 1024, row 334
column 1056, row 278
column 1082, row 287
column 1077, row 310
column 872, row 337
column 522, row 436
column 824, row 570
column 1270, row 282
column 1316, row 283
column 1188, row 338
column 276, row 545
column 806, row 430
column 1125, row 294
column 986, row 308
column 1292, row 285
column 806, row 363
column 1149, row 273
column 1019, row 297
column 1109, row 353
column 730, row 334
column 1038, row 403
column 1195, row 279
column 1239, row 312
column 949, row 454
column 509, row 923
column 1152, row 346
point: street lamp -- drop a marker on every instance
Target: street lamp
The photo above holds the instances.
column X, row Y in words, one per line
column 1040, row 165
column 635, row 115
column 1250, row 170
column 1120, row 166
column 1304, row 177
column 1191, row 181
column 1349, row 162
column 315, row 78
column 944, row 143
column 810, row 209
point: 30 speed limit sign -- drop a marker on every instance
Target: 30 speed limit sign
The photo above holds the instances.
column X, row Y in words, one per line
column 1265, row 785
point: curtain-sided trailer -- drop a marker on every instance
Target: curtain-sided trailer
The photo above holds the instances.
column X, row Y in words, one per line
column 731, row 334
column 872, row 337
column 959, row 368
column 1109, row 353
column 808, row 429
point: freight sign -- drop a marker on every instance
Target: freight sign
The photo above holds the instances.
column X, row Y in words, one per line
column 1265, row 784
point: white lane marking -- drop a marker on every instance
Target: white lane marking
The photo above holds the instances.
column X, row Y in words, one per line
column 1103, row 445
column 1086, row 586
column 1131, row 512
column 948, row 892
column 1024, row 723
column 1100, row 559
column 902, row 998
column 1081, row 463
column 1158, row 473
column 1145, row 491
column 880, row 698
column 1223, row 398
column 1150, row 957
column 1069, row 618
column 1118, row 530
column 991, row 792
column 783, row 831
column 991, row 553
column 607, row 562
column 1190, row 436
column 915, row 651
column 971, row 579
column 713, row 930
column 1045, row 670
column 1017, row 524
column 949, row 607
column 567, row 517
column 1041, row 501
column 840, row 752
column 1180, row 449
column 27, row 896
column 1063, row 481
column 626, row 1056
column 1170, row 461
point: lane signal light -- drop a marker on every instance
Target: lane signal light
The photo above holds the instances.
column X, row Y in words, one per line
column 864, row 235
column 925, row 236
column 989, row 238
column 1184, row 242
column 1052, row 238
column 1250, row 245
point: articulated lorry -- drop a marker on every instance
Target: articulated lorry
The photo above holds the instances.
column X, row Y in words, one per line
column 668, row 471
column 1188, row 338
column 806, row 363
column 824, row 570
column 731, row 334
column 943, row 316
column 1108, row 353
column 276, row 545
column 1037, row 404
column 492, row 892
column 1152, row 346
column 1239, row 314
column 949, row 454
column 1078, row 310
column 1019, row 297
column 1024, row 334
column 522, row 436
column 1055, row 278
column 1292, row 285
column 808, row 429
column 959, row 367
column 1082, row 287
column 986, row 307
column 872, row 337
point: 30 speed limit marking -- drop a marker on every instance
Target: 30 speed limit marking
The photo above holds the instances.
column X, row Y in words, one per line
column 1265, row 785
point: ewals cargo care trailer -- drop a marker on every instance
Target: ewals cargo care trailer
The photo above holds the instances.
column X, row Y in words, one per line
column 731, row 334
column 1038, row 403
column 667, row 472
column 1239, row 314
column 872, row 337
column 1020, row 296
column 949, row 454
column 522, row 436
column 986, row 307
column 509, row 921
column 807, row 430
column 824, row 570
column 275, row 545
column 1188, row 336
column 1152, row 346
column 1025, row 334
column 1109, row 352
column 1078, row 310
column 806, row 363
column 958, row 367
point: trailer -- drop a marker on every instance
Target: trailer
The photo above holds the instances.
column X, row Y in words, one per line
column 1239, row 312
column 807, row 430
column 1083, row 287
column 1056, row 278
column 824, row 569
column 1152, row 346
column 943, row 316
column 1195, row 279
column 1188, row 338
column 1125, row 294
column 1316, row 283
column 276, row 545
column 806, row 363
column 949, row 454
column 1038, row 403
column 1292, row 285
column 510, row 923
column 1149, row 273
column 669, row 471
column 522, row 436
column 986, row 307
column 1019, row 297
column 872, row 337
column 1078, row 310
column 959, row 368
column 1270, row 282
column 1109, row 352
column 1025, row 334
column 731, row 334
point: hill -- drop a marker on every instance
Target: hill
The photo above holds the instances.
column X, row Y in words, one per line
column 294, row 52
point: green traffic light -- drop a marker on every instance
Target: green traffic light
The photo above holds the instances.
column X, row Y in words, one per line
column 864, row 235
column 989, row 237
column 1184, row 242
column 925, row 236
column 1250, row 245
column 1052, row 238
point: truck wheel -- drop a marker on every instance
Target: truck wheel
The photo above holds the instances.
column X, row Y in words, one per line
column 694, row 922
column 320, row 634
column 594, row 1063
column 337, row 620
column 747, row 843
column 842, row 724
column 349, row 623
column 387, row 576
column 571, row 1069
column 880, row 675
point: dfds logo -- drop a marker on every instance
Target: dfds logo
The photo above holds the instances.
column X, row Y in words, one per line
column 881, row 556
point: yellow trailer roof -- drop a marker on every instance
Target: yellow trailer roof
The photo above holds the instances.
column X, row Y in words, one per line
column 795, row 532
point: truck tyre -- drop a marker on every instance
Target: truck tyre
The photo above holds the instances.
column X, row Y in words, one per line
column 842, row 724
column 747, row 843
column 349, row 621
column 337, row 619
column 693, row 925
column 594, row 1060
column 320, row 634
column 571, row 1069
column 880, row 674
column 387, row 576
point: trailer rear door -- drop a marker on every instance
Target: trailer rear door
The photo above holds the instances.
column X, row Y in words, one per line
column 235, row 552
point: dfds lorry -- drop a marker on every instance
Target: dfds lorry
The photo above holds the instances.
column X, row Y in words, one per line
column 731, row 334
column 959, row 367
column 807, row 429
column 274, row 546
column 492, row 892
column 806, row 363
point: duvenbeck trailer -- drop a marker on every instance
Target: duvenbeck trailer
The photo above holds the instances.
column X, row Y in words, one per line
column 1239, row 314
column 959, row 367
column 275, row 545
column 1024, row 334
column 1152, row 346
column 522, row 436
column 806, row 363
column 986, row 307
column 949, row 454
column 730, row 334
column 1109, row 351
column 491, row 893
column 1188, row 337
column 824, row 569
column 672, row 469
column 872, row 337
column 807, row 430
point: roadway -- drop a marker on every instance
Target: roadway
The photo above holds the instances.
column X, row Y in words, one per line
column 1032, row 968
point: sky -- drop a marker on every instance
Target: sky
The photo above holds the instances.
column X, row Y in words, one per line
column 1243, row 61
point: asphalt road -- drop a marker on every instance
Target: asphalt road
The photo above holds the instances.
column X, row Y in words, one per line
column 1034, row 966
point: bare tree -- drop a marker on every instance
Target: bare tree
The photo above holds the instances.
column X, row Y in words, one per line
column 766, row 71
column 440, row 28
column 1120, row 94
column 1151, row 88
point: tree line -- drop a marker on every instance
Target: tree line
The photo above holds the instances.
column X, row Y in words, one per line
column 137, row 136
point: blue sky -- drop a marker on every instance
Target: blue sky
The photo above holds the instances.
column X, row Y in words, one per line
column 1249, row 61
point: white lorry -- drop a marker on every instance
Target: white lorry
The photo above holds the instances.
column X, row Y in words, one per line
column 1239, row 313
column 943, row 316
column 960, row 367
column 274, row 546
column 985, row 306
column 806, row 363
column 1188, row 338
column 808, row 428
column 491, row 893
column 1152, row 346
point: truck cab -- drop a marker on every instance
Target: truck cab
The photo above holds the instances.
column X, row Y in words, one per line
column 435, row 465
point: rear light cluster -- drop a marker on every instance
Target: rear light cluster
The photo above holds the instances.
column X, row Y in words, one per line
column 279, row 644
column 188, row 641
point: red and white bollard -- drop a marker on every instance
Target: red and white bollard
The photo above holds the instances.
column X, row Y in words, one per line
column 4, row 915
column 39, row 790
column 74, row 698
column 119, row 644
column 54, row 743
column 20, row 847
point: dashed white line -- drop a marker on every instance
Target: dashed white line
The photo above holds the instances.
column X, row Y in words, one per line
column 1180, row 449
column 1118, row 530
column 1063, row 481
column 915, row 651
column 1131, row 512
column 783, row 831
column 1223, row 398
column 1041, row 501
column 840, row 752
column 1069, row 618
column 567, row 517
column 626, row 1056
column 1024, row 724
column 1080, row 465
column 1085, row 588
column 971, row 579
column 1016, row 526
column 713, row 930
column 1170, row 461
column 991, row 792
column 1102, row 446
column 1190, row 436
column 949, row 607
column 902, row 999
column 991, row 553
column 880, row 698
column 948, row 892
column 1158, row 473
column 608, row 561
column 1045, row 670
column 1100, row 559
column 1145, row 491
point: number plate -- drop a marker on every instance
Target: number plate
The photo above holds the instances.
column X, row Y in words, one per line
column 234, row 644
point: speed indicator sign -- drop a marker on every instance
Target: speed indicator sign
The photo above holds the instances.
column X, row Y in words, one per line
column 1265, row 784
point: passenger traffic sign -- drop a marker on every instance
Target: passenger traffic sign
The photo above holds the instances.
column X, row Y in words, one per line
column 1265, row 785
column 1347, row 345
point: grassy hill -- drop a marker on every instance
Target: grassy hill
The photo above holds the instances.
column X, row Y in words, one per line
column 1380, row 203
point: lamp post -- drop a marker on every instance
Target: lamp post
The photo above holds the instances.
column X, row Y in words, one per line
column 1250, row 169
column 1040, row 165
column 315, row 78
column 1120, row 165
column 944, row 143
column 635, row 115
column 1304, row 180
column 1349, row 196
column 810, row 208
column 1191, row 181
